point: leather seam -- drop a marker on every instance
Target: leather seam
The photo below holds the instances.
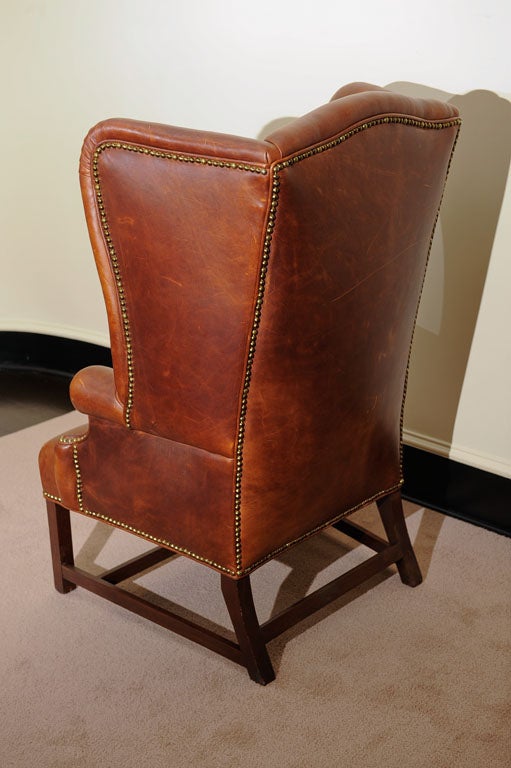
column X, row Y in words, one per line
column 270, row 225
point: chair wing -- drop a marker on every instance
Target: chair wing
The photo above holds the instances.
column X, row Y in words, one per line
column 356, row 196
column 176, row 220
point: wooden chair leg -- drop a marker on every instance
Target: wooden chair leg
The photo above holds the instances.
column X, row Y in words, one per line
column 240, row 604
column 391, row 511
column 61, row 542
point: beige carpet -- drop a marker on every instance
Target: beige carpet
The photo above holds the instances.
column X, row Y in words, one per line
column 396, row 677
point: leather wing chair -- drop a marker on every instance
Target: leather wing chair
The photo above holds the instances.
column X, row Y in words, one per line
column 261, row 299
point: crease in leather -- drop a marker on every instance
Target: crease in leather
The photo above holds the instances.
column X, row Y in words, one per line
column 373, row 273
column 198, row 448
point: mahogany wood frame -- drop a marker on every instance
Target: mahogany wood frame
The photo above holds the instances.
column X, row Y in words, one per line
column 250, row 650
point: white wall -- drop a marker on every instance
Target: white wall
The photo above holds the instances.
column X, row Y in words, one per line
column 458, row 400
column 482, row 434
column 231, row 66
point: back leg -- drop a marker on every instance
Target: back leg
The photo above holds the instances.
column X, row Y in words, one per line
column 391, row 512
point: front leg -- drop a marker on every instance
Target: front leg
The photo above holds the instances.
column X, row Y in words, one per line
column 61, row 542
column 240, row 604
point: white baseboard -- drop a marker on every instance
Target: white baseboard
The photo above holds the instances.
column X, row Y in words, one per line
column 495, row 464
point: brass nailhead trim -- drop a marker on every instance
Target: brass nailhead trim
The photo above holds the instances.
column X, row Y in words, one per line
column 198, row 160
column 118, row 279
column 78, row 475
column 111, row 249
column 248, row 370
column 72, row 439
column 370, row 124
column 290, row 161
column 52, row 497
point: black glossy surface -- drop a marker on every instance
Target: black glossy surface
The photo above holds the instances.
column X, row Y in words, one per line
column 456, row 489
column 53, row 354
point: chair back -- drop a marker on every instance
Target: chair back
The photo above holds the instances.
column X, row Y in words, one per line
column 262, row 295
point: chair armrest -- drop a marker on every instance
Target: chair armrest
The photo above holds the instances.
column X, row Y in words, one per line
column 92, row 391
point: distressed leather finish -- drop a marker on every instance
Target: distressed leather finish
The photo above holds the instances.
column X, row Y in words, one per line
column 344, row 276
column 261, row 298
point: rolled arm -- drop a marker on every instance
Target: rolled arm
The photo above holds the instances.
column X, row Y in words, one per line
column 92, row 391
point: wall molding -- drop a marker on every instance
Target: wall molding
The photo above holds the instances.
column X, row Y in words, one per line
column 485, row 461
column 457, row 489
column 72, row 332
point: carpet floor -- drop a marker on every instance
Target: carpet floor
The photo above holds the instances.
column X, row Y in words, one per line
column 387, row 676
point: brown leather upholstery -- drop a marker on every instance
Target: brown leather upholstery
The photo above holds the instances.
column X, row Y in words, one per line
column 261, row 299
